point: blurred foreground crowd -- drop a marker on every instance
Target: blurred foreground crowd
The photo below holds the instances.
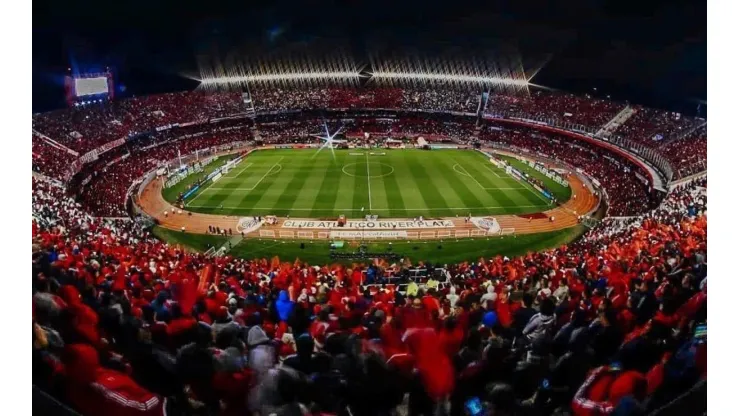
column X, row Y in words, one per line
column 124, row 324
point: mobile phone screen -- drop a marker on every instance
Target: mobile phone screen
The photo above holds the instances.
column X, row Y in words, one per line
column 700, row 332
column 474, row 407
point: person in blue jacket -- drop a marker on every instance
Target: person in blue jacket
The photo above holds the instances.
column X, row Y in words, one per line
column 284, row 305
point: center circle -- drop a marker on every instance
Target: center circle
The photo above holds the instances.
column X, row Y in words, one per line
column 385, row 169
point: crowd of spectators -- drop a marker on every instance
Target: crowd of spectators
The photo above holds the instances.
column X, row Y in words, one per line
column 686, row 200
column 88, row 127
column 366, row 98
column 555, row 107
column 646, row 126
column 85, row 128
column 298, row 129
column 112, row 175
column 125, row 324
column 688, row 155
column 628, row 195
column 413, row 127
column 269, row 99
column 290, row 130
column 441, row 99
column 48, row 159
column 114, row 172
column 651, row 127
column 282, row 99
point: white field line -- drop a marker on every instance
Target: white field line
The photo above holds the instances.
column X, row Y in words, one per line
column 200, row 193
column 494, row 172
column 526, row 185
column 369, row 196
column 466, row 173
column 223, row 188
column 240, row 172
column 505, row 176
column 271, row 245
column 539, row 195
column 208, row 188
column 230, row 189
column 268, row 172
column 358, row 209
column 531, row 189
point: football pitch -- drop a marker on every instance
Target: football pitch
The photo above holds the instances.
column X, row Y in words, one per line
column 357, row 182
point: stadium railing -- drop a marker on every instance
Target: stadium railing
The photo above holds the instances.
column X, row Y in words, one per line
column 43, row 403
column 647, row 154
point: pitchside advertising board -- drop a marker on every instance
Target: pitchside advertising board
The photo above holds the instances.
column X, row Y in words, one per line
column 369, row 225
column 367, row 234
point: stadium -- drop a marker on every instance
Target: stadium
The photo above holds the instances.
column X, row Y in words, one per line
column 318, row 172
column 277, row 239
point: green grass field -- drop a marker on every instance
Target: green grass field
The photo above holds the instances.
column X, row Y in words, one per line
column 194, row 242
column 435, row 251
column 400, row 183
column 171, row 193
column 562, row 193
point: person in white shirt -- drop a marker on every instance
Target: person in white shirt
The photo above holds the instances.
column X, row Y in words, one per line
column 453, row 297
column 562, row 291
column 489, row 295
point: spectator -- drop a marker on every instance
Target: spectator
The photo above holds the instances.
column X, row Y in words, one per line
column 284, row 306
column 524, row 314
column 542, row 322
column 107, row 304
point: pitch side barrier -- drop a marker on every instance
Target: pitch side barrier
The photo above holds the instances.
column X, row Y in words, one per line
column 622, row 147
column 140, row 184
column 217, row 173
column 391, row 236
column 93, row 155
column 592, row 184
column 582, row 136
column 522, row 177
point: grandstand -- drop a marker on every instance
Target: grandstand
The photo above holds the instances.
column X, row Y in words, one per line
column 126, row 323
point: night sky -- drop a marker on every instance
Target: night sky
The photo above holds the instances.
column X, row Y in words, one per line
column 650, row 52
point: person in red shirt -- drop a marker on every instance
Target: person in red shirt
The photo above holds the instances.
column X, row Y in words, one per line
column 604, row 387
column 95, row 390
column 430, row 302
column 503, row 309
column 451, row 337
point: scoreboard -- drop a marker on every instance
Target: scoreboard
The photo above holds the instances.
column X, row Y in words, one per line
column 89, row 88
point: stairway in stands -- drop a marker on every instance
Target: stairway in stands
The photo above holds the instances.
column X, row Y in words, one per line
column 249, row 105
column 53, row 143
column 251, row 113
column 612, row 125
column 698, row 129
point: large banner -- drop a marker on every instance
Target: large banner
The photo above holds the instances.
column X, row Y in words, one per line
column 247, row 225
column 369, row 225
column 488, row 224
column 93, row 154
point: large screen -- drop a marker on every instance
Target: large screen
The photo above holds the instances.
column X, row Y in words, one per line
column 91, row 86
